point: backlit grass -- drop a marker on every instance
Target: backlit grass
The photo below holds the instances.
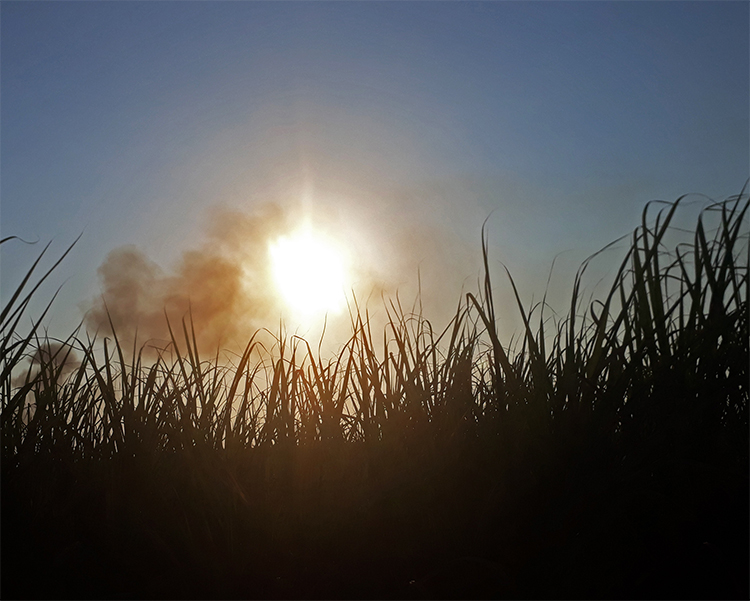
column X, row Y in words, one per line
column 605, row 456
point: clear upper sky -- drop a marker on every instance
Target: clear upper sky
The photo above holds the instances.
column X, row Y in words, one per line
column 128, row 120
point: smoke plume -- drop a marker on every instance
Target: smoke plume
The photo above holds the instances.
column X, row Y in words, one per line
column 222, row 287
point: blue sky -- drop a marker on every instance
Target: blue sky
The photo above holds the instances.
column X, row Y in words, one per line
column 131, row 121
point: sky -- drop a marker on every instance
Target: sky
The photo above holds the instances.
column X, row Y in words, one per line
column 180, row 137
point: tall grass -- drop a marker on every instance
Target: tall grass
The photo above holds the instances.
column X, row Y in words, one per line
column 284, row 473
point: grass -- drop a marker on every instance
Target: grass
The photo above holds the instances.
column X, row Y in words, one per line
column 605, row 457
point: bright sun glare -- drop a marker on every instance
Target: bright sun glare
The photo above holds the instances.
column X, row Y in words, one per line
column 310, row 273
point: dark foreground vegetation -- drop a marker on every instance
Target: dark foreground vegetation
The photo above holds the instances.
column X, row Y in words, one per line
column 605, row 457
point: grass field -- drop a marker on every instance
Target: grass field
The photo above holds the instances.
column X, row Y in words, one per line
column 604, row 456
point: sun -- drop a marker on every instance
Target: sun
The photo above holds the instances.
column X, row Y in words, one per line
column 310, row 273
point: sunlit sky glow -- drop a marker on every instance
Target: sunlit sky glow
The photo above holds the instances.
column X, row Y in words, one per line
column 400, row 126
column 310, row 273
